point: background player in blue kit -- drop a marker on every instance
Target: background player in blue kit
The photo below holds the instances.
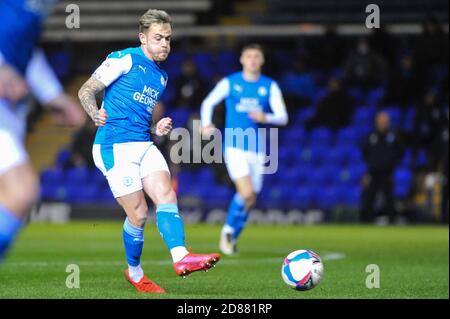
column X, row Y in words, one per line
column 133, row 82
column 251, row 100
column 24, row 69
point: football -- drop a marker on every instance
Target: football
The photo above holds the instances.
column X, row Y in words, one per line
column 302, row 270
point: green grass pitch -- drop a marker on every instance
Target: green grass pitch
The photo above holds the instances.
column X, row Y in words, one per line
column 413, row 262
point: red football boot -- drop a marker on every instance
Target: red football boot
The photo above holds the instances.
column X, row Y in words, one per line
column 195, row 262
column 145, row 284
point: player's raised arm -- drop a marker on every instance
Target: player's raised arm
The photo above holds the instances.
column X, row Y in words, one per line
column 220, row 92
column 279, row 115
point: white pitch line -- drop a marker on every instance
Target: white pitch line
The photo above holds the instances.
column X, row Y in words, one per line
column 232, row 260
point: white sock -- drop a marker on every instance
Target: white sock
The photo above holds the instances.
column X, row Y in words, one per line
column 136, row 273
column 227, row 229
column 178, row 253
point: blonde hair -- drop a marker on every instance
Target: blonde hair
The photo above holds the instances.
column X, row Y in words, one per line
column 153, row 16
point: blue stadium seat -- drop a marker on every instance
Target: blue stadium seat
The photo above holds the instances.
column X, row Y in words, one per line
column 353, row 174
column 344, row 155
column 421, row 159
column 185, row 179
column 407, row 160
column 105, row 196
column 357, row 94
column 347, row 136
column 62, row 156
column 295, row 135
column 354, row 156
column 364, row 115
column 77, row 176
column 329, row 198
column 219, row 193
column 179, row 117
column 301, row 116
column 374, row 96
column 319, row 94
column 204, row 63
column 351, row 196
column 173, row 64
column 363, row 130
column 52, row 176
column 305, row 197
column 408, row 123
column 205, row 175
column 227, row 62
column 321, row 136
column 321, row 177
column 48, row 192
column 314, row 154
column 403, row 182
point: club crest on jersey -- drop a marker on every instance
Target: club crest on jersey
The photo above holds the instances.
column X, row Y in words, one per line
column 127, row 181
column 163, row 81
column 237, row 88
column 262, row 91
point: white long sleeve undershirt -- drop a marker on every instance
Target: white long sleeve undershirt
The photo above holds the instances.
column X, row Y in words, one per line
column 222, row 90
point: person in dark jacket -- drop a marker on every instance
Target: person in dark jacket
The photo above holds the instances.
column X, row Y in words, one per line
column 382, row 152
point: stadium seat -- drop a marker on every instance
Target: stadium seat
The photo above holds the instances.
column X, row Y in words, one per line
column 408, row 123
column 204, row 63
column 321, row 136
column 184, row 179
column 421, row 159
column 407, row 160
column 364, row 115
column 52, row 176
column 77, row 176
column 61, row 158
column 295, row 135
column 374, row 96
column 306, row 113
column 347, row 136
column 357, row 94
column 403, row 182
column 352, row 175
column 48, row 192
column 304, row 197
column 321, row 177
column 179, row 117
column 351, row 196
column 329, row 198
column 314, row 154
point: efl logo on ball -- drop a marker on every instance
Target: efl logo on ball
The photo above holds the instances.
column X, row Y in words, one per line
column 302, row 270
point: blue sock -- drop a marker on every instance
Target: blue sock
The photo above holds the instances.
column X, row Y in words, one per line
column 241, row 220
column 133, row 239
column 170, row 225
column 234, row 211
column 10, row 224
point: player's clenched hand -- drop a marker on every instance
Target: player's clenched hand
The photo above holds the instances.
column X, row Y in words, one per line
column 257, row 116
column 100, row 117
column 12, row 85
column 164, row 126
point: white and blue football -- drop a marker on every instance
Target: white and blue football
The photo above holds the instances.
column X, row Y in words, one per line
column 302, row 270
